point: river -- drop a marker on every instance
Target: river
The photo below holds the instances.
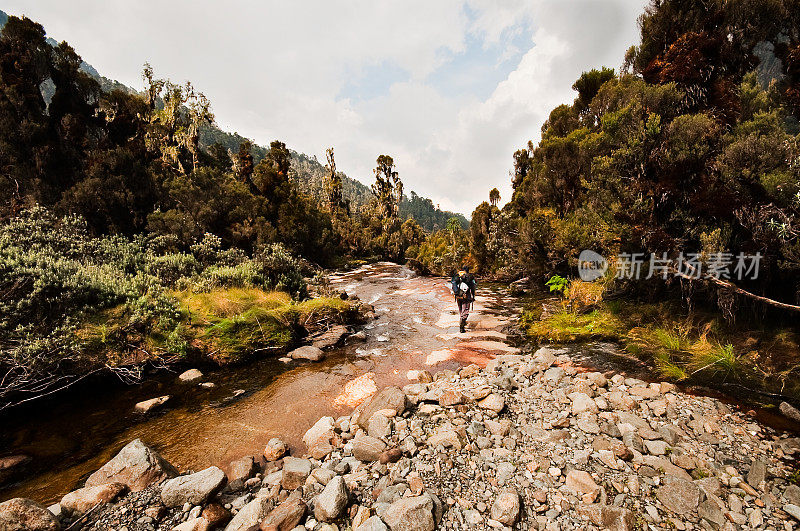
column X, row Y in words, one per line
column 71, row 436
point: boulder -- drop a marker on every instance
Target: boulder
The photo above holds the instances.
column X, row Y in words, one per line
column 789, row 411
column 330, row 338
column 194, row 489
column 373, row 523
column 12, row 465
column 331, row 501
column 309, row 352
column 251, row 514
column 608, row 517
column 581, row 482
column 389, row 398
column 493, row 402
column 22, row 514
column 379, row 426
column 82, row 500
column 192, row 375
column 275, row 449
column 193, row 524
column 410, row 514
column 368, row 449
column 242, row 469
column 582, row 403
column 679, row 495
column 287, row 515
column 295, row 472
column 757, row 473
column 323, row 428
column 136, row 466
column 216, row 515
column 506, row 507
column 146, row 406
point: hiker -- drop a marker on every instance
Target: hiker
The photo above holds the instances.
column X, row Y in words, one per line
column 463, row 285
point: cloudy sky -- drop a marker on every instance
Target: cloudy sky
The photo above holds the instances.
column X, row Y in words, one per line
column 449, row 88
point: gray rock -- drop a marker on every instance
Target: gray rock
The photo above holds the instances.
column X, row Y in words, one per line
column 553, row 375
column 287, row 515
column 368, row 449
column 195, row 488
column 679, row 495
column 710, row 511
column 493, row 402
column 506, row 507
column 792, row 493
column 379, row 426
column 331, row 501
column 251, row 515
column 608, row 517
column 757, row 473
column 308, row 352
column 82, row 500
column 146, row 406
column 373, row 523
column 390, row 398
column 275, row 449
column 136, row 466
column 192, row 375
column 21, row 514
column 789, row 411
column 410, row 514
column 295, row 472
column 792, row 510
column 330, row 338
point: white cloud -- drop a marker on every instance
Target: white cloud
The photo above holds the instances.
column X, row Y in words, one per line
column 283, row 70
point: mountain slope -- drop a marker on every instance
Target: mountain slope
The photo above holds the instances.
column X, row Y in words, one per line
column 307, row 172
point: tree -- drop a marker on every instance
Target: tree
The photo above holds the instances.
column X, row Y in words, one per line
column 388, row 189
column 333, row 183
column 494, row 196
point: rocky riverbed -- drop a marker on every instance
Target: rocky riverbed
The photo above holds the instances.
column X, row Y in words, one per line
column 418, row 427
column 528, row 442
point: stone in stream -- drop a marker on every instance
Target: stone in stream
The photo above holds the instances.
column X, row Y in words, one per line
column 389, row 398
column 790, row 509
column 275, row 449
column 251, row 514
column 287, row 515
column 789, row 411
column 322, row 428
column 241, row 470
column 146, row 406
column 192, row 375
column 308, row 352
column 194, row 488
column 410, row 514
column 22, row 514
column 330, row 503
column 136, row 466
column 12, row 465
column 82, row 500
column 295, row 472
column 506, row 507
column 330, row 338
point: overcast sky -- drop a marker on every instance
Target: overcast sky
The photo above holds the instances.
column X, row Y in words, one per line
column 448, row 88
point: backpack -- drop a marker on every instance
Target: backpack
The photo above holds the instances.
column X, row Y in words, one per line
column 462, row 290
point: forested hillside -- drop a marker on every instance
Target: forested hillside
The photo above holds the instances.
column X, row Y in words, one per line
column 117, row 207
column 683, row 171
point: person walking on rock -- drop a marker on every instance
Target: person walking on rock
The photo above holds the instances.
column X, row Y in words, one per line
column 464, row 285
